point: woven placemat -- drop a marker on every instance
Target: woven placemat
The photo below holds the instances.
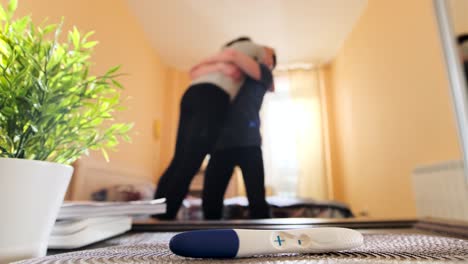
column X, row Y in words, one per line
column 377, row 248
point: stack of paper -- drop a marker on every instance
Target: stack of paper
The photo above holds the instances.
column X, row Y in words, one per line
column 83, row 223
column 73, row 210
column 69, row 234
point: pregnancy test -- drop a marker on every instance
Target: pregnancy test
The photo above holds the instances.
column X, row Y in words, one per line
column 237, row 243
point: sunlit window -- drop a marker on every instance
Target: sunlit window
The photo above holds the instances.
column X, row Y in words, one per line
column 292, row 136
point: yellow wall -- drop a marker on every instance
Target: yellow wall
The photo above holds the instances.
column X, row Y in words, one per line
column 389, row 107
column 458, row 10
column 121, row 41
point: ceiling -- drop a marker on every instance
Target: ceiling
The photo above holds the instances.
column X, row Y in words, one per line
column 301, row 31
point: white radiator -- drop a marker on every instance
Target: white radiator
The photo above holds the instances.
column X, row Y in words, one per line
column 441, row 191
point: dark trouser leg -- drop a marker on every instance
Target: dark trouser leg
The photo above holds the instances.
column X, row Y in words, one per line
column 184, row 126
column 216, row 180
column 203, row 110
column 251, row 163
column 178, row 184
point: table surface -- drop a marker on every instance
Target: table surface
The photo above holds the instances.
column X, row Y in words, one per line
column 381, row 246
column 386, row 241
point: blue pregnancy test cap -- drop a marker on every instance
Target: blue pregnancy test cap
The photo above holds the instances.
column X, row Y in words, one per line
column 219, row 243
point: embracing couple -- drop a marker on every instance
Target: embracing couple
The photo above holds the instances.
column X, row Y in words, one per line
column 219, row 116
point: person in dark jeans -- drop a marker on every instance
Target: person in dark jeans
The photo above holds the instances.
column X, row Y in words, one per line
column 463, row 49
column 240, row 145
column 203, row 110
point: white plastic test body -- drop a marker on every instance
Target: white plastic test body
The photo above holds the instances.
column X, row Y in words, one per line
column 234, row 243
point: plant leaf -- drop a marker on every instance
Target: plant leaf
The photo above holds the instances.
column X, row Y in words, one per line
column 90, row 44
column 22, row 23
column 3, row 14
column 105, row 154
column 113, row 70
column 49, row 28
column 4, row 48
column 12, row 6
column 75, row 36
column 118, row 84
column 51, row 108
column 87, row 35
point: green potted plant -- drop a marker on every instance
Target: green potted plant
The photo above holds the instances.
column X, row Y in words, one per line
column 52, row 111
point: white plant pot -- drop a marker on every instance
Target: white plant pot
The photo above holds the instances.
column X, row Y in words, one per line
column 31, row 193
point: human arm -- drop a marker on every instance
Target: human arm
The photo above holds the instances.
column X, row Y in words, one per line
column 246, row 64
column 228, row 69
